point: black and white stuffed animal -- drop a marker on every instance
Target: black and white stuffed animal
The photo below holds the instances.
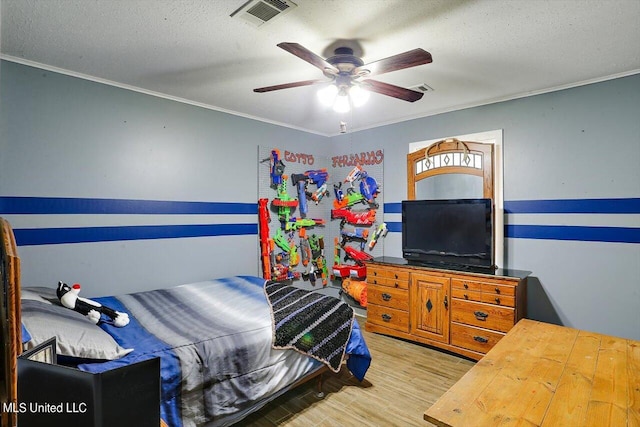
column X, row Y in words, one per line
column 69, row 298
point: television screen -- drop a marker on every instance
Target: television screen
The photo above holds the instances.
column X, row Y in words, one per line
column 456, row 232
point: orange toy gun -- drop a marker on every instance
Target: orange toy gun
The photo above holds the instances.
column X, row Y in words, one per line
column 263, row 224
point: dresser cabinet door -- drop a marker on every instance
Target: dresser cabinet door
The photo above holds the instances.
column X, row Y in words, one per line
column 430, row 303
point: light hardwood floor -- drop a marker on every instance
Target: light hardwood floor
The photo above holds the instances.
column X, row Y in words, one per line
column 403, row 381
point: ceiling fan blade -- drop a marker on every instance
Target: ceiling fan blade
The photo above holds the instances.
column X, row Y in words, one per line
column 391, row 90
column 305, row 54
column 287, row 85
column 400, row 61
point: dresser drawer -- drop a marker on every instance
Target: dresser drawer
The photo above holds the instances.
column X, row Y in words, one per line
column 375, row 272
column 472, row 338
column 390, row 282
column 466, row 295
column 398, row 275
column 499, row 290
column 388, row 317
column 482, row 315
column 503, row 300
column 467, row 285
column 388, row 297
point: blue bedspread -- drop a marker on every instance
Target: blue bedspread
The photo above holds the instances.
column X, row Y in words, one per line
column 214, row 339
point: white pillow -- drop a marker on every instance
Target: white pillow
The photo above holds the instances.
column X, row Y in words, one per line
column 75, row 335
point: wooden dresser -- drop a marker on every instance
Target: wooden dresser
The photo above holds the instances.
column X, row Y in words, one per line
column 460, row 311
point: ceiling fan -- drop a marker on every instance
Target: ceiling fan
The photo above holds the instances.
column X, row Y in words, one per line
column 346, row 70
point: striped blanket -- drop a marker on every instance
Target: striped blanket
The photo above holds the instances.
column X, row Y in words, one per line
column 311, row 323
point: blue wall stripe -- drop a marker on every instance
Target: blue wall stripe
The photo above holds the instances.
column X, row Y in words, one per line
column 54, row 236
column 66, row 205
column 574, row 206
column 585, row 234
column 392, row 208
column 394, row 227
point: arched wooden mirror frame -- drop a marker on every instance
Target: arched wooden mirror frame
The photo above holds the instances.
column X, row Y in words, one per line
column 452, row 156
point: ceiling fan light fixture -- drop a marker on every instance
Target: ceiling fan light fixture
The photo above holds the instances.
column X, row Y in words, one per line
column 327, row 95
column 358, row 95
column 341, row 104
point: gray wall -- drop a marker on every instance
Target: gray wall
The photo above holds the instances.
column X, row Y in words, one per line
column 66, row 137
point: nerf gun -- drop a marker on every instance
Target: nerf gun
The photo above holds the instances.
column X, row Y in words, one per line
column 367, row 217
column 319, row 178
column 298, row 223
column 263, row 224
column 381, row 231
column 355, row 173
column 277, row 167
column 338, row 270
column 352, row 198
column 369, row 188
column 337, row 190
column 284, row 202
column 283, row 243
column 317, row 253
column 358, row 235
column 305, row 248
column 300, row 180
column 281, row 273
column 358, row 256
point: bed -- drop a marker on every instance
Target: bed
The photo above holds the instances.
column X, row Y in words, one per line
column 218, row 364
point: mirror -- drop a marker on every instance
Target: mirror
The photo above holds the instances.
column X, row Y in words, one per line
column 450, row 186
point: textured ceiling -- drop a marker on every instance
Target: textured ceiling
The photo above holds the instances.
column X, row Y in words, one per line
column 483, row 50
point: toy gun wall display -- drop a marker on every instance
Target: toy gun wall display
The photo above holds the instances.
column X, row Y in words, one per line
column 283, row 251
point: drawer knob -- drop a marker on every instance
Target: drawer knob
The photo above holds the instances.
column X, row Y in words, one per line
column 386, row 297
column 446, row 302
column 397, row 284
column 497, row 300
column 465, row 286
column 386, row 317
column 481, row 315
column 395, row 276
column 480, row 339
column 466, row 296
column 375, row 273
column 497, row 290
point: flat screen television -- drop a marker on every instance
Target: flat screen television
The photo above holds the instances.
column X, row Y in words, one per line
column 449, row 233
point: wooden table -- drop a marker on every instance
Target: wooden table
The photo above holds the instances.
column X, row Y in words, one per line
column 547, row 375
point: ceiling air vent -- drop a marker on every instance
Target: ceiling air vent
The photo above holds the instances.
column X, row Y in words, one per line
column 259, row 12
column 422, row 87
